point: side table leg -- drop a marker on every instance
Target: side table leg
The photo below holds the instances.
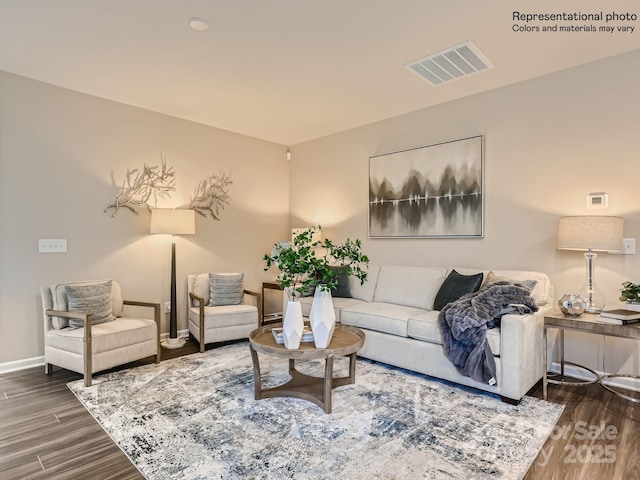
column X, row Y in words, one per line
column 257, row 384
column 544, row 363
column 328, row 384
column 562, row 353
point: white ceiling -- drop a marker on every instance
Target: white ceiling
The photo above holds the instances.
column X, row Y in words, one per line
column 287, row 70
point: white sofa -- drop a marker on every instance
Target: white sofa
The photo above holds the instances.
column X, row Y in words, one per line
column 395, row 309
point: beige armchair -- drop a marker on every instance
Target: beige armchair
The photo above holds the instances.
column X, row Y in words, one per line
column 226, row 316
column 86, row 329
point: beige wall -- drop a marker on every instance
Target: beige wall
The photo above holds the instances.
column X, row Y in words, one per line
column 548, row 143
column 60, row 150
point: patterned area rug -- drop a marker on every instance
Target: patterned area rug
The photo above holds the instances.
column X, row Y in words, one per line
column 195, row 418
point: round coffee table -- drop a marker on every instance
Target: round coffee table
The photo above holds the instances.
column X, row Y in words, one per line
column 346, row 341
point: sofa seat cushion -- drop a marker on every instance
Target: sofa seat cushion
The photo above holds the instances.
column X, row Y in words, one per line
column 424, row 326
column 226, row 315
column 121, row 332
column 382, row 317
column 338, row 304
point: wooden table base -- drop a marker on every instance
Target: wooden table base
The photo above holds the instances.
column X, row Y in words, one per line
column 313, row 389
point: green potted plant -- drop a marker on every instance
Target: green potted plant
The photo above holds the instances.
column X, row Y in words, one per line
column 300, row 268
column 303, row 268
column 630, row 293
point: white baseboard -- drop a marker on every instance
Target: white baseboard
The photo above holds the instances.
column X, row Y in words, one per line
column 621, row 382
column 23, row 364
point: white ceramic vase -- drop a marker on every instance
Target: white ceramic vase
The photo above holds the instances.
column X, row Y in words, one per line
column 292, row 325
column 322, row 318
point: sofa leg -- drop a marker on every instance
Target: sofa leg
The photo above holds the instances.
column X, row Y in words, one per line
column 48, row 369
column 510, row 401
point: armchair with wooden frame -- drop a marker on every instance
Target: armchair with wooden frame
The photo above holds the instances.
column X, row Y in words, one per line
column 220, row 323
column 88, row 347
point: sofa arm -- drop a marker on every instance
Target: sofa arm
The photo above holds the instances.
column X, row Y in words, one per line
column 521, row 352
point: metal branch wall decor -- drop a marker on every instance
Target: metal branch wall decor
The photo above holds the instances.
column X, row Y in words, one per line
column 141, row 187
column 211, row 195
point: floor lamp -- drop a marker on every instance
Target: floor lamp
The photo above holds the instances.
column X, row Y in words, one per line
column 591, row 233
column 173, row 222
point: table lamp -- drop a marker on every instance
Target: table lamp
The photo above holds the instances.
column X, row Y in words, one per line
column 173, row 222
column 591, row 233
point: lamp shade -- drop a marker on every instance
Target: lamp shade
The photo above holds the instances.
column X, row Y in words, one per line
column 593, row 232
column 172, row 221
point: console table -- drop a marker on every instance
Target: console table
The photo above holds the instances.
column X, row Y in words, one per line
column 587, row 323
column 273, row 317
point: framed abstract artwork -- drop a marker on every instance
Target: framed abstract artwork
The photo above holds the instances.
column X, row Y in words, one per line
column 434, row 191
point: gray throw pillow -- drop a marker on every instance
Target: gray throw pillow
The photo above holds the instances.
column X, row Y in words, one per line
column 225, row 289
column 455, row 286
column 342, row 276
column 93, row 298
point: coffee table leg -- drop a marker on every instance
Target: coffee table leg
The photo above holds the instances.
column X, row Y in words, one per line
column 257, row 384
column 352, row 367
column 292, row 366
column 328, row 384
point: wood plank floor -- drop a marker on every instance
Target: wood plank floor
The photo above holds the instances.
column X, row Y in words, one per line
column 45, row 433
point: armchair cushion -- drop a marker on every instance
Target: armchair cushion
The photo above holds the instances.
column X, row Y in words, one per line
column 225, row 289
column 123, row 332
column 200, row 287
column 90, row 298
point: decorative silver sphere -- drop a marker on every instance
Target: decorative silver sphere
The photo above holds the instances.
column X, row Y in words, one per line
column 572, row 304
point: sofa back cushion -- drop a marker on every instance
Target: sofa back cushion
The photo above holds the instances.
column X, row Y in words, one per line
column 410, row 286
column 542, row 291
column 365, row 292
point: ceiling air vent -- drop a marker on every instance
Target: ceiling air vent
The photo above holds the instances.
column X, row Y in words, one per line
column 450, row 64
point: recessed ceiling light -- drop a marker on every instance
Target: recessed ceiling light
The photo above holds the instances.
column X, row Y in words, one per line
column 199, row 24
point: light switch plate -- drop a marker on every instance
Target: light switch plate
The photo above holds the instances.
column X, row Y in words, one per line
column 52, row 245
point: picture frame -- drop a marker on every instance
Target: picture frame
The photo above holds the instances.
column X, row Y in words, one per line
column 434, row 191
